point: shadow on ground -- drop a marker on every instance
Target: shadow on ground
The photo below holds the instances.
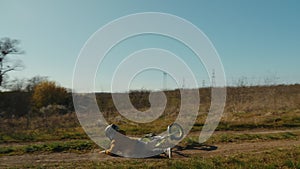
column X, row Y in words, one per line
column 194, row 146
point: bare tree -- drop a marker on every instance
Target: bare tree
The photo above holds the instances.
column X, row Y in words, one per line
column 34, row 81
column 8, row 47
column 16, row 84
column 23, row 84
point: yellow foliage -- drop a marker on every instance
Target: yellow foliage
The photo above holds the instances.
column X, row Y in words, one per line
column 46, row 93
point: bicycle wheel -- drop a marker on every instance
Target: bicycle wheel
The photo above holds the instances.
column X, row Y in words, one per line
column 175, row 131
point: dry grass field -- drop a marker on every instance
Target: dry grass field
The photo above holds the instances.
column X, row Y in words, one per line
column 260, row 128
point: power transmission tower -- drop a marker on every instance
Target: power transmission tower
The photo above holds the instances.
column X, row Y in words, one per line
column 183, row 83
column 213, row 79
column 165, row 81
column 203, row 83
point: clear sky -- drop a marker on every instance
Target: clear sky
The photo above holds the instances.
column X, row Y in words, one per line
column 255, row 39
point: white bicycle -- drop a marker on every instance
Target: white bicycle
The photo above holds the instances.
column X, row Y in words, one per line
column 147, row 146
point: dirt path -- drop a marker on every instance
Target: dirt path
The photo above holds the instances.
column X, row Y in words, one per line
column 254, row 131
column 208, row 151
column 233, row 148
column 204, row 151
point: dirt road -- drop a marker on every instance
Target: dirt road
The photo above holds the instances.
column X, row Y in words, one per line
column 204, row 151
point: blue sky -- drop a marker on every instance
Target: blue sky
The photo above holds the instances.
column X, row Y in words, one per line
column 255, row 39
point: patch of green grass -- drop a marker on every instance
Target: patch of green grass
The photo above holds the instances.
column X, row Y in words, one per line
column 23, row 136
column 69, row 146
column 75, row 135
column 224, row 126
column 251, row 137
column 65, row 146
column 41, row 135
column 16, row 137
column 6, row 150
column 33, row 148
column 225, row 138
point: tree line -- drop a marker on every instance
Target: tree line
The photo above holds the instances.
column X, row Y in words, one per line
column 37, row 96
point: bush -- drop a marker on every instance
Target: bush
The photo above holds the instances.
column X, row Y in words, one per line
column 48, row 93
column 54, row 109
